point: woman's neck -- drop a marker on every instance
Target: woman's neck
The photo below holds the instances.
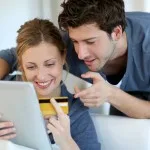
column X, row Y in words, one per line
column 55, row 93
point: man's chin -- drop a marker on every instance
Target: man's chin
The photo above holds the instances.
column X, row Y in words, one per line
column 93, row 69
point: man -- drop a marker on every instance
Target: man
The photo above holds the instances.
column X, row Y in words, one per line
column 113, row 45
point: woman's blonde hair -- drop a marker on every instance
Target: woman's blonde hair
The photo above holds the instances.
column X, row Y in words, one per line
column 35, row 31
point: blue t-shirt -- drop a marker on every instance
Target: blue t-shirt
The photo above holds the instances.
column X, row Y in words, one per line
column 137, row 75
column 82, row 127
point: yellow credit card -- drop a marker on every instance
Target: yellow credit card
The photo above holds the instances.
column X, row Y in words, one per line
column 48, row 109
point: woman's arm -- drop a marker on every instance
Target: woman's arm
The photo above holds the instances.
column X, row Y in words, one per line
column 7, row 61
column 4, row 68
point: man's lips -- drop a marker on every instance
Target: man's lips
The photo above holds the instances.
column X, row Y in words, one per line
column 89, row 62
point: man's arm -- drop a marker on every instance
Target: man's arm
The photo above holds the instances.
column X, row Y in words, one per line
column 130, row 105
column 101, row 92
column 8, row 62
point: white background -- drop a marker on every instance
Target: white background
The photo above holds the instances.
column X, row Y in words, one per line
column 13, row 13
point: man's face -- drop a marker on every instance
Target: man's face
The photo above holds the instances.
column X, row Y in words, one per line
column 92, row 45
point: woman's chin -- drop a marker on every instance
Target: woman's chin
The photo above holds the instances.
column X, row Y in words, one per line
column 44, row 93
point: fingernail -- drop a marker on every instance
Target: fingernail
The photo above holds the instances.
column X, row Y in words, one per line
column 14, row 129
column 53, row 100
column 75, row 96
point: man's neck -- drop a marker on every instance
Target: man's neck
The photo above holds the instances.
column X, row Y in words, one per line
column 120, row 62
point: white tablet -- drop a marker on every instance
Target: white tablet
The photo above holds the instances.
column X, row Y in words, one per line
column 19, row 104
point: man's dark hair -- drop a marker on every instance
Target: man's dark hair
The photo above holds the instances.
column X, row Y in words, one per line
column 107, row 14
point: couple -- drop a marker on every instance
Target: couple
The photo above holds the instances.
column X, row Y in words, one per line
column 41, row 56
column 108, row 42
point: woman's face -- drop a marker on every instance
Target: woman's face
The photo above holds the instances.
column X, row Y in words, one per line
column 43, row 65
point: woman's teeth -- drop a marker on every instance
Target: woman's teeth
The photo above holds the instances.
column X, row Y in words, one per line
column 43, row 83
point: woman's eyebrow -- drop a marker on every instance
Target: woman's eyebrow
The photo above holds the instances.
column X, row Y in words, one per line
column 50, row 59
column 31, row 63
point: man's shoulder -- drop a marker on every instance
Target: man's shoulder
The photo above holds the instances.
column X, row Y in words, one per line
column 138, row 27
column 138, row 19
column 138, row 15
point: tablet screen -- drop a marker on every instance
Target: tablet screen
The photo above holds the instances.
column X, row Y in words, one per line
column 19, row 104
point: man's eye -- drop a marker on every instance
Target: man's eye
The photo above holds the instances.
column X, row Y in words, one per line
column 90, row 42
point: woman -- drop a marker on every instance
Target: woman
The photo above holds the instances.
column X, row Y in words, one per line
column 41, row 56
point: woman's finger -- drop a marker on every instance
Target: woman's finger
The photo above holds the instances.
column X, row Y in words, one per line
column 6, row 124
column 58, row 109
column 56, row 123
column 7, row 131
column 8, row 137
column 52, row 129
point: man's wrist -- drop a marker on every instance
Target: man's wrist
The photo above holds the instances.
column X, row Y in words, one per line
column 112, row 94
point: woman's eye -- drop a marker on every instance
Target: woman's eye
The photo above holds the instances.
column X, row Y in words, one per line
column 74, row 41
column 31, row 67
column 49, row 65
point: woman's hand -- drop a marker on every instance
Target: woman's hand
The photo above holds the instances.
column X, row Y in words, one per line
column 60, row 128
column 7, row 131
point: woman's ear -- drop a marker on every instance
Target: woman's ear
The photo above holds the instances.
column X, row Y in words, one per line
column 117, row 33
column 20, row 68
column 64, row 57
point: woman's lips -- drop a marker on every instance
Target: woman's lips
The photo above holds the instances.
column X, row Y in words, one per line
column 43, row 85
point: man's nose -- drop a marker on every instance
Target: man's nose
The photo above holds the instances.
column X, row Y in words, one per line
column 82, row 51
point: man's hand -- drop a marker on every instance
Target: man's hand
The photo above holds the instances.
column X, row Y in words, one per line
column 98, row 93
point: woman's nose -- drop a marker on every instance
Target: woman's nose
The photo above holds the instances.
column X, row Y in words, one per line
column 41, row 74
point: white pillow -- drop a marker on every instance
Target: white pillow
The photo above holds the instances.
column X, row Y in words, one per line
column 7, row 145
